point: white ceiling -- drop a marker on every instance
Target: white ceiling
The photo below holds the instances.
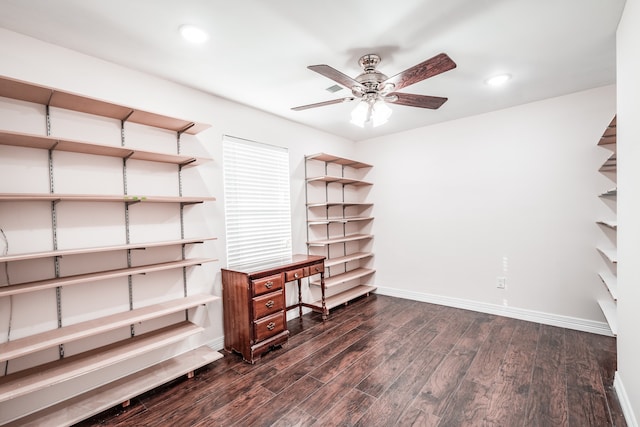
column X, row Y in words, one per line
column 258, row 50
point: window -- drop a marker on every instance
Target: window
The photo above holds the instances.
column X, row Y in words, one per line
column 257, row 202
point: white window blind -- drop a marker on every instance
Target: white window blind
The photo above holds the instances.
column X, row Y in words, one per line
column 257, row 202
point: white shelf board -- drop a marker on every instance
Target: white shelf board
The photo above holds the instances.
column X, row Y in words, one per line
column 330, row 262
column 610, row 253
column 79, row 251
column 611, row 282
column 609, row 223
column 609, row 309
column 348, row 238
column 40, row 377
column 100, row 275
column 345, row 296
column 610, row 193
column 33, row 343
column 104, row 397
column 325, row 221
column 341, row 278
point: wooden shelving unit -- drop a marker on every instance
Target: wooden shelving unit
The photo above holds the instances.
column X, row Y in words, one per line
column 608, row 276
column 338, row 226
column 23, row 382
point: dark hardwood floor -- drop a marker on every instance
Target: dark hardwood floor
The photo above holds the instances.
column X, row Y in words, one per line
column 385, row 361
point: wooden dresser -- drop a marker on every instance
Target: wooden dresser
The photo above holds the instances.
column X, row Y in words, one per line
column 254, row 303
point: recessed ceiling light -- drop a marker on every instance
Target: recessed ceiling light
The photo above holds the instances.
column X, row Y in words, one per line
column 498, row 80
column 193, row 34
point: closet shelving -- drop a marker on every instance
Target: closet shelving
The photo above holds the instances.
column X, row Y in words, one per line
column 102, row 394
column 608, row 250
column 339, row 222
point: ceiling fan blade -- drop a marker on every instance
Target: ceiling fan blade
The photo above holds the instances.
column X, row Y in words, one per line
column 422, row 101
column 322, row 104
column 335, row 75
column 429, row 68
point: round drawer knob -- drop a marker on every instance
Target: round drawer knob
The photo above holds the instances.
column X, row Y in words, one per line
column 268, row 285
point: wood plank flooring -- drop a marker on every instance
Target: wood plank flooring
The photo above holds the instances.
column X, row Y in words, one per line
column 384, row 361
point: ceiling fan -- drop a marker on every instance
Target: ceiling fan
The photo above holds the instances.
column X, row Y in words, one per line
column 375, row 89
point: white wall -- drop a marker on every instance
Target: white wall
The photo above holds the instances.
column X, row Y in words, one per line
column 628, row 375
column 455, row 199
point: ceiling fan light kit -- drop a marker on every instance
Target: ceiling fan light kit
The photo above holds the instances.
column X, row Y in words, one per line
column 374, row 90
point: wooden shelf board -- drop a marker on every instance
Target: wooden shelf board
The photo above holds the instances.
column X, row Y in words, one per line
column 330, row 262
column 348, row 238
column 344, row 297
column 341, row 278
column 109, row 395
column 609, row 310
column 35, row 197
column 323, row 157
column 30, row 92
column 338, row 179
column 37, row 342
column 610, row 253
column 339, row 220
column 611, row 224
column 100, row 275
column 611, row 282
column 79, row 251
column 39, row 377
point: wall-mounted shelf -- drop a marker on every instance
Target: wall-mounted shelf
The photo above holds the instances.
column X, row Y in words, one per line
column 99, row 275
column 611, row 282
column 30, row 380
column 610, row 193
column 338, row 179
column 37, row 370
column 33, row 343
column 610, row 311
column 104, row 397
column 608, row 307
column 341, row 204
column 342, row 239
column 340, row 220
column 338, row 225
column 355, row 256
column 35, row 197
column 43, row 95
column 80, row 251
column 609, row 223
column 25, row 140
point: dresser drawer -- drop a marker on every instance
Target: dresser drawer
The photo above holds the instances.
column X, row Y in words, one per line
column 268, row 304
column 315, row 269
column 269, row 326
column 296, row 274
column 266, row 284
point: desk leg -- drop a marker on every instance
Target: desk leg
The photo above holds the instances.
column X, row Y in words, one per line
column 300, row 298
column 325, row 312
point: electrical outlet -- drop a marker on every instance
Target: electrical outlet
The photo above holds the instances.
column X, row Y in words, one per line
column 502, row 282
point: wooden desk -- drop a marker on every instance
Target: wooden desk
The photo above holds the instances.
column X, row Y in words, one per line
column 254, row 303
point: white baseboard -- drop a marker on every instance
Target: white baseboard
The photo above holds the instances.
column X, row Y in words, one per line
column 625, row 403
column 584, row 325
